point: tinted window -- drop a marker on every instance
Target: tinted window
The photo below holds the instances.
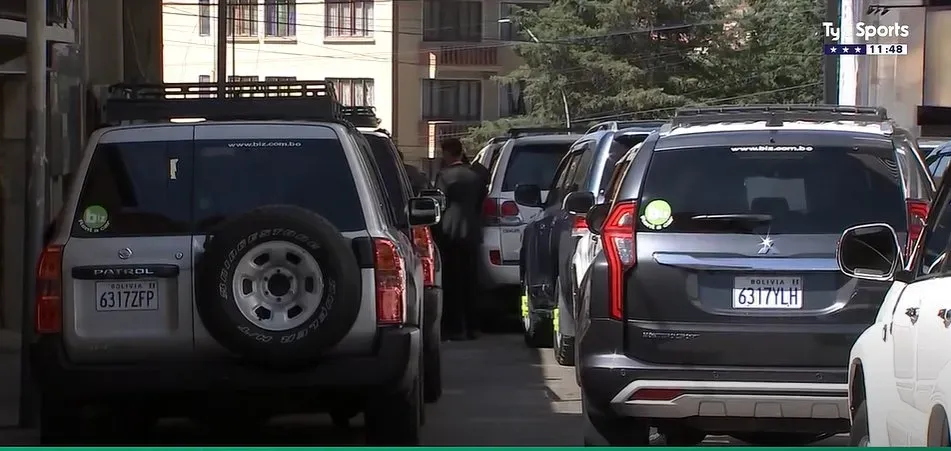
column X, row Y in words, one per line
column 533, row 164
column 933, row 247
column 232, row 178
column 136, row 189
column 825, row 190
column 391, row 170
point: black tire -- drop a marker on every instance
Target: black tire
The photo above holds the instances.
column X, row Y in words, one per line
column 324, row 327
column 539, row 332
column 779, row 438
column 432, row 375
column 395, row 419
column 682, row 436
column 564, row 344
column 61, row 423
column 602, row 430
column 860, row 430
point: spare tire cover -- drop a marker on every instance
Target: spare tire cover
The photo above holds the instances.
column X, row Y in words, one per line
column 278, row 285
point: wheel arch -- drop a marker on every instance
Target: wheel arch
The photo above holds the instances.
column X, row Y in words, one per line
column 857, row 393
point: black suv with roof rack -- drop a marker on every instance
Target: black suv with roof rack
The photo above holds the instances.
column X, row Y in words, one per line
column 717, row 305
column 249, row 265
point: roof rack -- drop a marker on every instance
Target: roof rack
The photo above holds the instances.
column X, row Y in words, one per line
column 360, row 116
column 271, row 100
column 775, row 115
column 535, row 131
column 620, row 125
column 496, row 140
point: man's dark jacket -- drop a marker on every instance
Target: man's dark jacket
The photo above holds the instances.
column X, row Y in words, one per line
column 417, row 178
column 465, row 190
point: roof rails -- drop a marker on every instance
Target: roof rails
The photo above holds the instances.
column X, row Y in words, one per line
column 360, row 116
column 496, row 140
column 281, row 100
column 775, row 115
column 535, row 131
column 620, row 125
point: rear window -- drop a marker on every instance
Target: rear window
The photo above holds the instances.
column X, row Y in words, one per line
column 533, row 164
column 819, row 191
column 232, row 178
column 171, row 188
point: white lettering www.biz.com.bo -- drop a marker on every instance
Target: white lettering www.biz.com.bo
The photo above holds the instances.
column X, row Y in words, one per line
column 266, row 144
column 772, row 149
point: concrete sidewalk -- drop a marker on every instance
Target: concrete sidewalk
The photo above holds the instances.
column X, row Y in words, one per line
column 9, row 377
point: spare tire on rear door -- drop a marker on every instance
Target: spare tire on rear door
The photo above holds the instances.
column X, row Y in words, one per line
column 278, row 285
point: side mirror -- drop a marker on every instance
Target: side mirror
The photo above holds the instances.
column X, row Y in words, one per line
column 436, row 195
column 578, row 202
column 596, row 217
column 528, row 195
column 870, row 252
column 423, row 211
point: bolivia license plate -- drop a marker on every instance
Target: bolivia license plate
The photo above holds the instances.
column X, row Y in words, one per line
column 767, row 292
column 127, row 295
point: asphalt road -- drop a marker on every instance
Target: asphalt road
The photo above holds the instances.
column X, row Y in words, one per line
column 497, row 393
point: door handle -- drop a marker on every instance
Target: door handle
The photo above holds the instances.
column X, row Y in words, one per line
column 945, row 315
column 912, row 312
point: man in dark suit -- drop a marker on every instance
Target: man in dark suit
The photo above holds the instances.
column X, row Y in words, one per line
column 417, row 178
column 458, row 235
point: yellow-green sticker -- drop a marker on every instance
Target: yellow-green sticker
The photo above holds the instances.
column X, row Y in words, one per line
column 95, row 219
column 657, row 215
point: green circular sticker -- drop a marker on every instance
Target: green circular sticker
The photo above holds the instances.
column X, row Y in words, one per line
column 657, row 215
column 95, row 219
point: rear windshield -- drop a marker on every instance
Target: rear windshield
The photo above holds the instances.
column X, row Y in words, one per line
column 809, row 190
column 533, row 164
column 169, row 188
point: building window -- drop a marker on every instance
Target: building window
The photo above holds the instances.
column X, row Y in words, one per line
column 452, row 100
column 452, row 20
column 205, row 92
column 353, row 91
column 512, row 99
column 243, row 78
column 349, row 18
column 204, row 17
column 244, row 18
column 280, row 18
column 510, row 31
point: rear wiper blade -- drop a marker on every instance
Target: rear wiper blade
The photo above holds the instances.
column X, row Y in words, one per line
column 737, row 217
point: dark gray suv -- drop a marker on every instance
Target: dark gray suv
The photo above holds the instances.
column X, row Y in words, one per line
column 716, row 305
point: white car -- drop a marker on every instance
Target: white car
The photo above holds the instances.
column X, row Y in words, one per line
column 900, row 367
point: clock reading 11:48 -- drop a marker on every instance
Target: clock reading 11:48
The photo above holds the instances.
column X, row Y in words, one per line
column 886, row 49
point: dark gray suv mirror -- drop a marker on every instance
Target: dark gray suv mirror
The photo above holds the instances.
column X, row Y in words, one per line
column 435, row 194
column 578, row 202
column 596, row 217
column 423, row 211
column 870, row 252
column 528, row 195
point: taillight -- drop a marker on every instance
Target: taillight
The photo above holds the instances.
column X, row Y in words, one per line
column 618, row 239
column 917, row 215
column 427, row 252
column 49, row 291
column 580, row 225
column 500, row 212
column 390, row 283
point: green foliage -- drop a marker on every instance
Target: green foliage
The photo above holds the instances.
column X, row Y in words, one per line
column 478, row 136
column 618, row 59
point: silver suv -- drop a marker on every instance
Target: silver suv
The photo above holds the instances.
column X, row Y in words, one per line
column 229, row 269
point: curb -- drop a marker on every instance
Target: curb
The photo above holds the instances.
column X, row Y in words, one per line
column 9, row 341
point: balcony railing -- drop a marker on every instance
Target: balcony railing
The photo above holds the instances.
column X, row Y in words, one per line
column 459, row 55
column 57, row 11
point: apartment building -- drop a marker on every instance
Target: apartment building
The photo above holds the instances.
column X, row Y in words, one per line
column 425, row 65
